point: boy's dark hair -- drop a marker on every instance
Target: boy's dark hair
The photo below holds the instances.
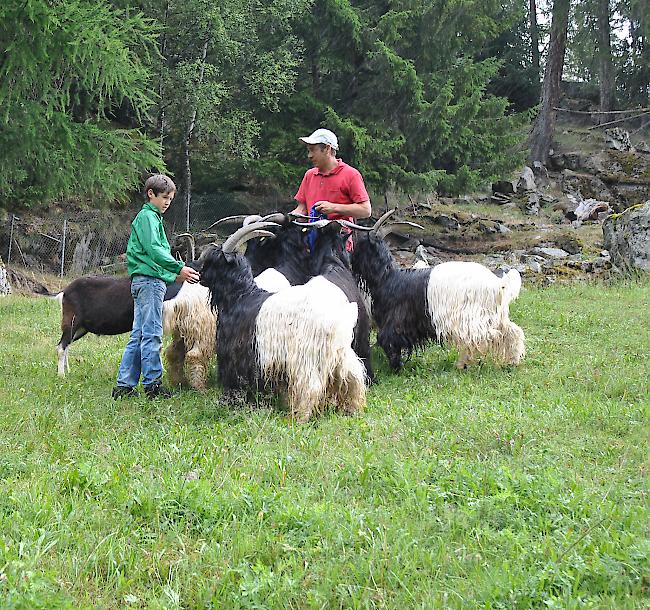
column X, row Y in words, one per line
column 159, row 183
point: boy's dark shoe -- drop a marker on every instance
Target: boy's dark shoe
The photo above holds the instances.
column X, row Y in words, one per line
column 120, row 391
column 157, row 390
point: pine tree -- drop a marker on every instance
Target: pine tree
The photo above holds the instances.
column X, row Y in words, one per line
column 405, row 85
column 67, row 66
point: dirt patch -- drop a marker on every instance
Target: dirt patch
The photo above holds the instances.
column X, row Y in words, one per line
column 26, row 282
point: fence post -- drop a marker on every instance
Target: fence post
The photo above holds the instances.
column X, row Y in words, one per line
column 11, row 238
column 65, row 226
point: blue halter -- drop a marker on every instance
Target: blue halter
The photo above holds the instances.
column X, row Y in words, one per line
column 312, row 234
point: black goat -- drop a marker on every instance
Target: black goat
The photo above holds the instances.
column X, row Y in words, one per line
column 459, row 303
column 288, row 254
column 101, row 305
column 330, row 260
column 298, row 339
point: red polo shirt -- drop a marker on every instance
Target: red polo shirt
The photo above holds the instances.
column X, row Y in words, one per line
column 343, row 184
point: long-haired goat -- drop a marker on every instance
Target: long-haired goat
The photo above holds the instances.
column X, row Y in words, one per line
column 329, row 259
column 462, row 304
column 287, row 260
column 298, row 339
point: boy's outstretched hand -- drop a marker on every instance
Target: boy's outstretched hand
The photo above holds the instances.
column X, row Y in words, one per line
column 189, row 275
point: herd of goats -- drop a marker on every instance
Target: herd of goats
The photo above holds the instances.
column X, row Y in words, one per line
column 294, row 313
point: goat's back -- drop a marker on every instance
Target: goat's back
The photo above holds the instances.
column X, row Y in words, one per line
column 102, row 304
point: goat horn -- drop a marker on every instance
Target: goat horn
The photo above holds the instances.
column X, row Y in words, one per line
column 351, row 225
column 245, row 233
column 318, row 224
column 278, row 217
column 297, row 215
column 237, row 217
column 251, row 218
column 390, row 228
column 382, row 220
column 192, row 243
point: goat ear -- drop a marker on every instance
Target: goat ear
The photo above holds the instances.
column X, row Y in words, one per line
column 229, row 256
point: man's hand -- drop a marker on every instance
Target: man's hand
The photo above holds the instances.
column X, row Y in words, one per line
column 299, row 210
column 327, row 207
column 187, row 274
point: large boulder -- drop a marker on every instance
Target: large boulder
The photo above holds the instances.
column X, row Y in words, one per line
column 627, row 237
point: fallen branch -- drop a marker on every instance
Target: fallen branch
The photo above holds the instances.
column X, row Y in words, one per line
column 629, row 118
column 601, row 111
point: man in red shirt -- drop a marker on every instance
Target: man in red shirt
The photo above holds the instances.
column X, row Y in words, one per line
column 331, row 187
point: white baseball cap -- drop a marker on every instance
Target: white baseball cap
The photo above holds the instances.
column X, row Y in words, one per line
column 322, row 136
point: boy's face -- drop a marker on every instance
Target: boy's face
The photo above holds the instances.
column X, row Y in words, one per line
column 162, row 201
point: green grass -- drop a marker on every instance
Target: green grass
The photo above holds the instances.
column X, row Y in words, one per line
column 488, row 488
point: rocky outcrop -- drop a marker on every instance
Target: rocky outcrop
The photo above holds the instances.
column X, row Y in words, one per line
column 627, row 237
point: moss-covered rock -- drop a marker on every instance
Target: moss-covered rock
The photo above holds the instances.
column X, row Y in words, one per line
column 627, row 237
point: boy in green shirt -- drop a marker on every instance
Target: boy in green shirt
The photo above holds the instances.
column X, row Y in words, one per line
column 151, row 267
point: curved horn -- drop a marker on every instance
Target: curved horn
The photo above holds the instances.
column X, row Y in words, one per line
column 278, row 217
column 245, row 233
column 295, row 215
column 190, row 237
column 251, row 218
column 383, row 231
column 237, row 217
column 351, row 225
column 383, row 219
column 319, row 224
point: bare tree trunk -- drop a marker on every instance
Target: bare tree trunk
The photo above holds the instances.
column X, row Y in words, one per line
column 186, row 145
column 5, row 286
column 542, row 134
column 605, row 67
column 161, row 92
column 534, row 35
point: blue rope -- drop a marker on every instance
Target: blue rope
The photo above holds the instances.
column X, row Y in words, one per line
column 314, row 215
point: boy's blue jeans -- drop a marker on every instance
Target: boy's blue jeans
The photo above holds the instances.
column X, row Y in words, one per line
column 142, row 352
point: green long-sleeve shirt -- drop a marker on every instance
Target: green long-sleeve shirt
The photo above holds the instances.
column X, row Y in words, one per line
column 148, row 251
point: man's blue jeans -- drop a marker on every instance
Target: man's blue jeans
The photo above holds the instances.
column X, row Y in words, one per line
column 142, row 352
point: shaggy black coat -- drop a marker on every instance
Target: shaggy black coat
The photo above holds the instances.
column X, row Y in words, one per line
column 237, row 298
column 101, row 305
column 286, row 253
column 399, row 298
column 330, row 260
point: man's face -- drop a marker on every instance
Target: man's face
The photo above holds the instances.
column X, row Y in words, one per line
column 162, row 201
column 319, row 158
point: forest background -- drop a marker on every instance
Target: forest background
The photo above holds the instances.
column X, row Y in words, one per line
column 425, row 95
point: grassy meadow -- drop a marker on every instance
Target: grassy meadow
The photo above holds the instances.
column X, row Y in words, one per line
column 485, row 488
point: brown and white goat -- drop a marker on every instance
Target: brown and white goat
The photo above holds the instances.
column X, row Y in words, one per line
column 104, row 306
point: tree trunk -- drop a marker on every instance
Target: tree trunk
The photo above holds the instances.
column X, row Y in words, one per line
column 186, row 145
column 161, row 92
column 534, row 36
column 542, row 134
column 605, row 67
column 5, row 286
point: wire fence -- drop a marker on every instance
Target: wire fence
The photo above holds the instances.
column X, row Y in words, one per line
column 90, row 242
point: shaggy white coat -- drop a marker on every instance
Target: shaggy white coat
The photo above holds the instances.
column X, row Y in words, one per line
column 272, row 280
column 192, row 325
column 469, row 308
column 304, row 341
